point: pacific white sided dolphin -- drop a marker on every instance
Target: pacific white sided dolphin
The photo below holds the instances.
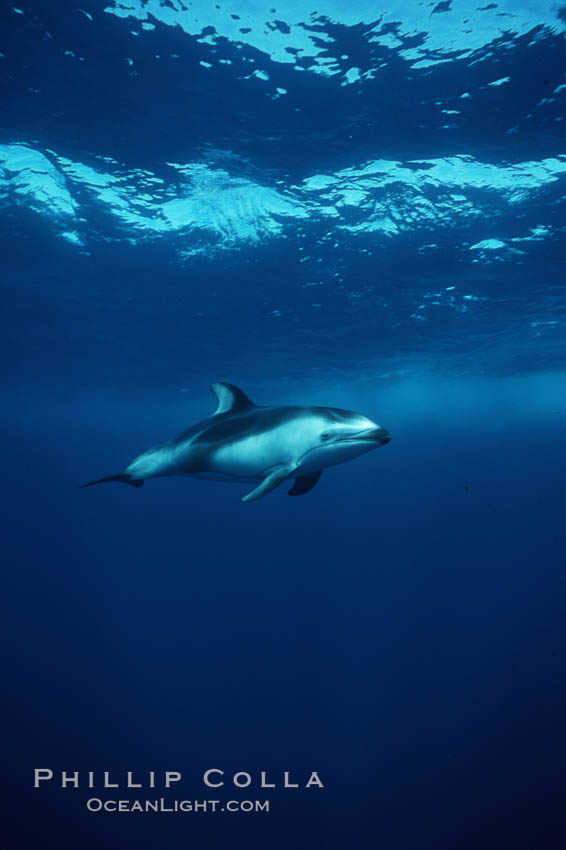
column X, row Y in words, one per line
column 242, row 441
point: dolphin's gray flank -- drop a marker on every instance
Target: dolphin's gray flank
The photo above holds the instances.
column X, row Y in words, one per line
column 243, row 441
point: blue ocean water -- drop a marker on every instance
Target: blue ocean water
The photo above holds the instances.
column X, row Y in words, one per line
column 355, row 205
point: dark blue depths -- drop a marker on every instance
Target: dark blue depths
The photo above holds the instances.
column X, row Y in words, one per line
column 399, row 629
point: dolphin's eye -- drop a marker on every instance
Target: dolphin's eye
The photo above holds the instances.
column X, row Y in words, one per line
column 325, row 437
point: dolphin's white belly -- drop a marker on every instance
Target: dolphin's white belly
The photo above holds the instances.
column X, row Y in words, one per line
column 252, row 457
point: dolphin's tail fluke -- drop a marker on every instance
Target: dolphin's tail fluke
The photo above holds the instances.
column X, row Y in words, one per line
column 123, row 477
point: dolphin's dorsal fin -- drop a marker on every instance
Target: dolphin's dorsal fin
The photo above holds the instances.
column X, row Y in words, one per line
column 230, row 398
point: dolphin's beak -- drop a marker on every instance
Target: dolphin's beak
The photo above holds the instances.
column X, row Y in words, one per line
column 375, row 435
column 378, row 435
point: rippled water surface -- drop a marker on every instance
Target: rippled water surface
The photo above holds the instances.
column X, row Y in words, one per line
column 345, row 188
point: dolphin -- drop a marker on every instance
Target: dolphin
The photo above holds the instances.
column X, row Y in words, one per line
column 243, row 442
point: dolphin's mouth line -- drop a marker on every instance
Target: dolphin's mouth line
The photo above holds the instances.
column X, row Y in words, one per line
column 374, row 435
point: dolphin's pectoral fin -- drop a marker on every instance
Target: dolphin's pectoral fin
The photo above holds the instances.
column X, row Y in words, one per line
column 304, row 483
column 230, row 398
column 269, row 483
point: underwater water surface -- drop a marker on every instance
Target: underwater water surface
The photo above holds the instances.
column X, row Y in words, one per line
column 353, row 205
